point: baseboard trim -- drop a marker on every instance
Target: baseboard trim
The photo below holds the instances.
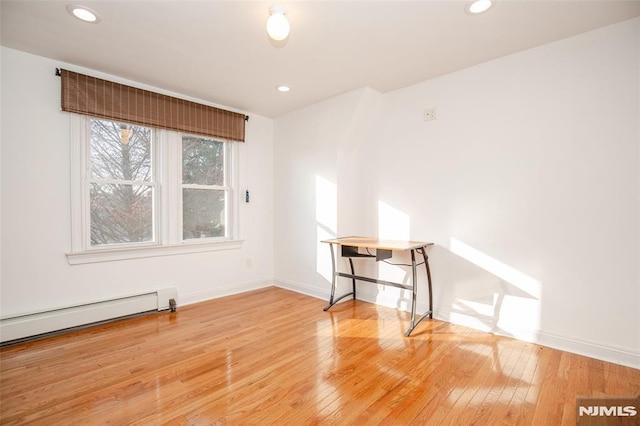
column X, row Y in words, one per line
column 228, row 290
column 365, row 293
column 302, row 288
column 617, row 355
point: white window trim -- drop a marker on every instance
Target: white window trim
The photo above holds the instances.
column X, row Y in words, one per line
column 168, row 214
column 109, row 255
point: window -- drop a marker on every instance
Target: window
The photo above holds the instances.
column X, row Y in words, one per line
column 204, row 188
column 121, row 184
column 139, row 192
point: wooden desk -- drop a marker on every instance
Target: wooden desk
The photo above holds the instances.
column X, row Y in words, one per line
column 383, row 250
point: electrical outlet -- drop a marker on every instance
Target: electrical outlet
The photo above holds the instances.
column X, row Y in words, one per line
column 429, row 114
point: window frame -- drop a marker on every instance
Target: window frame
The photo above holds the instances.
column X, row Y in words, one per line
column 167, row 215
column 227, row 187
column 88, row 179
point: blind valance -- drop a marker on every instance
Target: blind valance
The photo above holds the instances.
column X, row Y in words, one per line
column 93, row 96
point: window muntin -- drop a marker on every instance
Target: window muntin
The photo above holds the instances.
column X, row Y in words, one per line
column 121, row 184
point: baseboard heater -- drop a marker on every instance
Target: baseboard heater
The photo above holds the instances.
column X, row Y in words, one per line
column 23, row 326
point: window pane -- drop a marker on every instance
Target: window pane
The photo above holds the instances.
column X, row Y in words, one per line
column 121, row 213
column 202, row 161
column 120, row 151
column 203, row 213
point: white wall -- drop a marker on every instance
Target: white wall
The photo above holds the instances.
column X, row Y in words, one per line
column 36, row 209
column 311, row 144
column 527, row 181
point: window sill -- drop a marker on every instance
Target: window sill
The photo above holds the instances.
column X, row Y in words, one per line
column 110, row 255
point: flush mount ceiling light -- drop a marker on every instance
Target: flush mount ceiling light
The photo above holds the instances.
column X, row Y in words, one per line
column 478, row 6
column 278, row 24
column 83, row 13
column 283, row 88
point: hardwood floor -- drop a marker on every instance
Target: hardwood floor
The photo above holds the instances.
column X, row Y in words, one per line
column 274, row 357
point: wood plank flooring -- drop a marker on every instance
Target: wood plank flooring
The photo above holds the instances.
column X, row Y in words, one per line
column 273, row 357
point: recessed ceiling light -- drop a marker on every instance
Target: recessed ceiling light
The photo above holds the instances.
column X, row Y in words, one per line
column 283, row 88
column 83, row 13
column 478, row 6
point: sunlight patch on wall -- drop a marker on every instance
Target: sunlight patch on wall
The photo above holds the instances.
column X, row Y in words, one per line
column 393, row 224
column 326, row 223
column 496, row 267
column 326, row 204
column 391, row 296
column 479, row 308
column 516, row 296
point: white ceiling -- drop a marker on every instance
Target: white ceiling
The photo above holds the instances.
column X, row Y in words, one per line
column 218, row 51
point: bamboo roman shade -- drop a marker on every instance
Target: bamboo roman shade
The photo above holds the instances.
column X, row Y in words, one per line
column 88, row 95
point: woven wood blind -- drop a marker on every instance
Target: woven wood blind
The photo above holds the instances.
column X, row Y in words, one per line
column 88, row 95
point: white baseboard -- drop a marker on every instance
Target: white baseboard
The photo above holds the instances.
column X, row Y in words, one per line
column 610, row 353
column 365, row 292
column 303, row 288
column 229, row 290
column 604, row 352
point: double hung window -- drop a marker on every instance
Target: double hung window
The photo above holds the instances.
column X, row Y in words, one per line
column 205, row 188
column 138, row 191
column 121, row 185
column 145, row 181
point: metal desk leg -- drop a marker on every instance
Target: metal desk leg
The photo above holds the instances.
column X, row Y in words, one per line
column 429, row 313
column 334, row 277
column 426, row 265
column 414, row 283
column 353, row 280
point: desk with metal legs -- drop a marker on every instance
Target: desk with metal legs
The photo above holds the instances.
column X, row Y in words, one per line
column 383, row 250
